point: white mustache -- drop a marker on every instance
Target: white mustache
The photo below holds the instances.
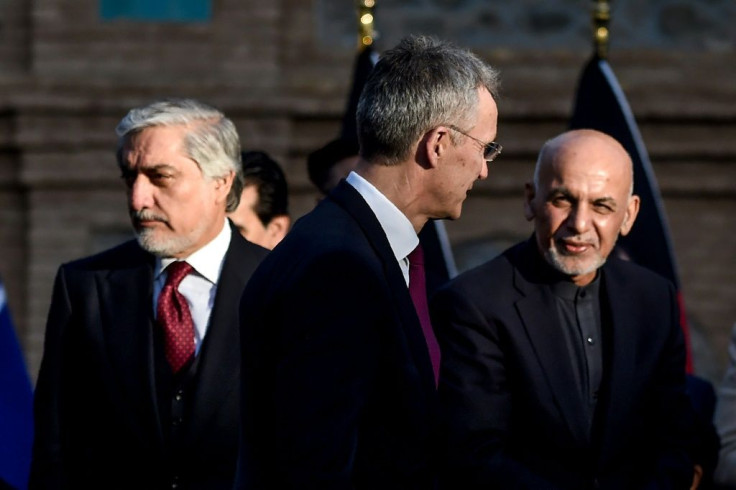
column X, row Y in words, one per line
column 579, row 240
column 145, row 215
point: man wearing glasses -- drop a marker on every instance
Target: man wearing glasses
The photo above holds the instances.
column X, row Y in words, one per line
column 340, row 363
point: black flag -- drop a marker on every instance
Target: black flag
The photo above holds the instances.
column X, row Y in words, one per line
column 600, row 104
column 321, row 163
column 364, row 63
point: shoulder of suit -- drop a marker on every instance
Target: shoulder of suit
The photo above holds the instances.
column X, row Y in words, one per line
column 126, row 255
column 492, row 275
column 251, row 248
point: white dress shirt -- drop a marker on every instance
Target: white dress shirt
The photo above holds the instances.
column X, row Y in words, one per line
column 400, row 233
column 200, row 286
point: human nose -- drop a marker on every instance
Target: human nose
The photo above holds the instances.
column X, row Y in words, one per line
column 483, row 171
column 140, row 193
column 579, row 218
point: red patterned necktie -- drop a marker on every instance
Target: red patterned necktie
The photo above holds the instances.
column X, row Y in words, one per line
column 175, row 318
column 418, row 292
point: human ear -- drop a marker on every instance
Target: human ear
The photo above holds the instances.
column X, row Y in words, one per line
column 632, row 210
column 435, row 144
column 224, row 184
column 277, row 229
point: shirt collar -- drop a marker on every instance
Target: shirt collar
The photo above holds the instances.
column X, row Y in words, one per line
column 570, row 291
column 207, row 261
column 398, row 229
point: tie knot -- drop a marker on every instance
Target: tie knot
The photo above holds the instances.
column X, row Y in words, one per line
column 176, row 272
column 416, row 257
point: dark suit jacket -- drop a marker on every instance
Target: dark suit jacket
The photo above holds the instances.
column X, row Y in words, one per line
column 97, row 403
column 506, row 382
column 337, row 381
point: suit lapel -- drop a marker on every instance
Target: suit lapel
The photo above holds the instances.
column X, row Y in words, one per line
column 219, row 358
column 537, row 310
column 348, row 198
column 620, row 364
column 126, row 317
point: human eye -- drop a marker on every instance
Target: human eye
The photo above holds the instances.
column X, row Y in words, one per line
column 128, row 176
column 603, row 207
column 160, row 177
column 559, row 200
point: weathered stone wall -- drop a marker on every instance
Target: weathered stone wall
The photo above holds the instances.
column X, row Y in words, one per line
column 282, row 69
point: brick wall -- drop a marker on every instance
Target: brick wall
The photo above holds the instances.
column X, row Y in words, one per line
column 281, row 71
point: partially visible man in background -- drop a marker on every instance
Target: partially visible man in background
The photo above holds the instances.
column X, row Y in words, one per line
column 262, row 216
column 138, row 386
column 327, row 165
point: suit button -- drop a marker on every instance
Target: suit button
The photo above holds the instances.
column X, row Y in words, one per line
column 175, row 482
column 179, row 396
column 177, row 421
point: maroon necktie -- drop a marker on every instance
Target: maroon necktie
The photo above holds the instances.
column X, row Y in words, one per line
column 175, row 318
column 418, row 292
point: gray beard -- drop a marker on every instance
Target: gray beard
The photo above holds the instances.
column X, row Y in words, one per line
column 554, row 259
column 161, row 247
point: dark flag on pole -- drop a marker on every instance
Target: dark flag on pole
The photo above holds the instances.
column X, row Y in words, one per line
column 322, row 164
column 16, row 406
column 600, row 104
column 364, row 63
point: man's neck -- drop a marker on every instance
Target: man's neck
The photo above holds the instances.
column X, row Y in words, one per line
column 400, row 186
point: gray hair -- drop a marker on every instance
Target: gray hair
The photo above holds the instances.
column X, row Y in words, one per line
column 212, row 141
column 420, row 84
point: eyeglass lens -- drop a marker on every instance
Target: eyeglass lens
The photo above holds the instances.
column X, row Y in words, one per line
column 492, row 150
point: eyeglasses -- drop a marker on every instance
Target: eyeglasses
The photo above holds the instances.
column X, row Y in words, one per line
column 490, row 150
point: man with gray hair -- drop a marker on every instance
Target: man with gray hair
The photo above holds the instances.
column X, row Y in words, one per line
column 563, row 366
column 340, row 362
column 138, row 383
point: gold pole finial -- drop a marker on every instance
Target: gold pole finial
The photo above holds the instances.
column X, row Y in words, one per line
column 601, row 17
column 366, row 34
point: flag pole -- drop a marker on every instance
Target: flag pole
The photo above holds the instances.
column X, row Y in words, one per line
column 366, row 32
column 601, row 18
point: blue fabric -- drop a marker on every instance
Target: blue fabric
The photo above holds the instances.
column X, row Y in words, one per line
column 16, row 405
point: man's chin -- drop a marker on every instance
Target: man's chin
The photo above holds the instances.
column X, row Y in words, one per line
column 572, row 266
column 161, row 247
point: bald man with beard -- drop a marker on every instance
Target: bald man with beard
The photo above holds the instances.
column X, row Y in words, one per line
column 563, row 367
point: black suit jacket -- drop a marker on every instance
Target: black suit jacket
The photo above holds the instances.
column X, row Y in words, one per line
column 337, row 381
column 506, row 382
column 98, row 408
